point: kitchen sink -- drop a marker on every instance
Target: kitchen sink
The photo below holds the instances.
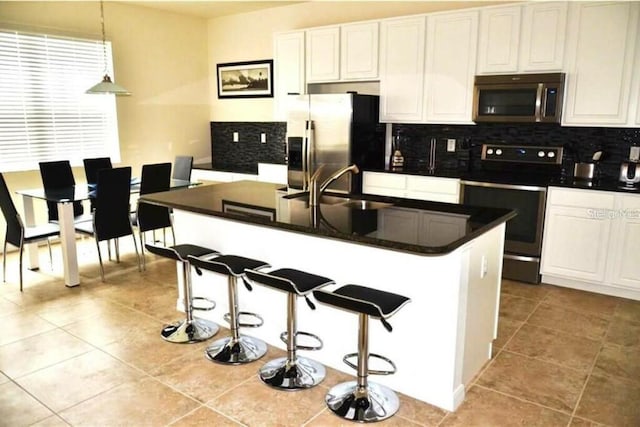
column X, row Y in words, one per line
column 365, row 204
column 324, row 199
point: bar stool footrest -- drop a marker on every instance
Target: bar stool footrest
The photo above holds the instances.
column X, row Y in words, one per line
column 203, row 308
column 259, row 320
column 318, row 346
column 392, row 371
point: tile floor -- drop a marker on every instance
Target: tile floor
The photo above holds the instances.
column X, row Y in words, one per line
column 92, row 355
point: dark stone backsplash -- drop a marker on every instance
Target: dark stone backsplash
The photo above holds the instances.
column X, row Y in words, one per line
column 579, row 142
column 243, row 156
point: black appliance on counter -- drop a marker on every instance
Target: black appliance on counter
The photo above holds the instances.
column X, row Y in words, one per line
column 524, row 98
column 516, row 177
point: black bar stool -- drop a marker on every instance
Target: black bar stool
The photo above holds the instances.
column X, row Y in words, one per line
column 362, row 400
column 292, row 372
column 191, row 329
column 237, row 348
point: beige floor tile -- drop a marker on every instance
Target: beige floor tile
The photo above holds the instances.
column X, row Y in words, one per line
column 556, row 347
column 619, row 361
column 524, row 290
column 85, row 376
column 255, row 404
column 204, row 416
column 3, row 378
column 516, row 308
column 623, row 332
column 588, row 325
column 329, row 419
column 20, row 325
column 62, row 315
column 8, row 307
column 483, row 407
column 577, row 300
column 196, row 376
column 610, row 400
column 419, row 412
column 135, row 403
column 18, row 408
column 52, row 421
column 534, row 380
column 31, row 354
column 506, row 329
column 628, row 310
column 579, row 422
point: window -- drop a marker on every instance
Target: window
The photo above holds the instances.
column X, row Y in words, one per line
column 44, row 111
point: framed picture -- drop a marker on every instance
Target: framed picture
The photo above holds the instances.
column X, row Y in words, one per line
column 252, row 79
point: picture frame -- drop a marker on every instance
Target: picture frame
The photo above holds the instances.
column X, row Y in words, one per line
column 249, row 79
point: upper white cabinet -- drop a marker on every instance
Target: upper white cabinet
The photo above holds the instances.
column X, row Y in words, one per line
column 544, row 26
column 323, row 54
column 288, row 65
column 402, row 46
column 450, row 67
column 359, row 45
column 522, row 38
column 601, row 47
column 499, row 40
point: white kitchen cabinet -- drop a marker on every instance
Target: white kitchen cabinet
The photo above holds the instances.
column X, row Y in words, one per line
column 625, row 242
column 417, row 187
column 220, row 176
column 402, row 49
column 499, row 39
column 450, row 67
column 288, row 70
column 591, row 241
column 401, row 223
column 544, row 26
column 323, row 54
column 359, row 46
column 601, row 46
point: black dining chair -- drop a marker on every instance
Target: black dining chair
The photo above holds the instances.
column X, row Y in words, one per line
column 16, row 233
column 56, row 175
column 111, row 218
column 148, row 217
column 182, row 168
column 91, row 168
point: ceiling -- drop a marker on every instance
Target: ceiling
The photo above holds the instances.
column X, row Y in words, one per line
column 211, row 9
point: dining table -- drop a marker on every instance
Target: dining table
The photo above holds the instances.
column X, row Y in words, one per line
column 64, row 198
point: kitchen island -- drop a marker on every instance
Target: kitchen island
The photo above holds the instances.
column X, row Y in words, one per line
column 447, row 258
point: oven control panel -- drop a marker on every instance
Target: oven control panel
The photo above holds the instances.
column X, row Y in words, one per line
column 522, row 154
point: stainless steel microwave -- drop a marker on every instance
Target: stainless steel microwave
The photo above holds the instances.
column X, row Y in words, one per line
column 526, row 98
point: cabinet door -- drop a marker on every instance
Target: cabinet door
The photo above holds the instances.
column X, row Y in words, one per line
column 544, row 27
column 359, row 51
column 384, row 184
column 601, row 40
column 625, row 243
column 434, row 189
column 402, row 69
column 575, row 243
column 450, row 67
column 323, row 55
column 499, row 40
column 398, row 224
column 288, row 66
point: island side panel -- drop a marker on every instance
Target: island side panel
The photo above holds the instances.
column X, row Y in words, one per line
column 427, row 333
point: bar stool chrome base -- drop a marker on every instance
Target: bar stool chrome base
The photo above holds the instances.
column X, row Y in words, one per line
column 284, row 375
column 185, row 332
column 235, row 352
column 369, row 404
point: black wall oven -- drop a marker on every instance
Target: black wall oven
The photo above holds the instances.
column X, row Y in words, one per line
column 516, row 177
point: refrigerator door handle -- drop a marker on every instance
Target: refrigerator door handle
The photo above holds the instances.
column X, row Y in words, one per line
column 307, row 148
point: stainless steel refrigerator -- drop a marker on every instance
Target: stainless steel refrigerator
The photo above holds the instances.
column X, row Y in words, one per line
column 335, row 130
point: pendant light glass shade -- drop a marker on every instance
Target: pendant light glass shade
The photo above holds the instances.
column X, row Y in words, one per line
column 106, row 86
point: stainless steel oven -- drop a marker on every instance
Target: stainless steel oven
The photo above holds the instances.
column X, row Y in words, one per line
column 523, row 239
column 516, row 177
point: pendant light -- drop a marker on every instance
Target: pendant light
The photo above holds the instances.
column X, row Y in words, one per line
column 106, row 86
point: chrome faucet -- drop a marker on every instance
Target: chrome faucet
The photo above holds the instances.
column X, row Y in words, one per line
column 316, row 190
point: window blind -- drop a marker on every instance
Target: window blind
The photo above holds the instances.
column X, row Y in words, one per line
column 44, row 111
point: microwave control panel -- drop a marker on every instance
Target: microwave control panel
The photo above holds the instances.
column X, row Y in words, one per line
column 522, row 154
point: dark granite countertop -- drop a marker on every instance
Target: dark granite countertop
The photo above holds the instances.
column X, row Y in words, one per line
column 338, row 220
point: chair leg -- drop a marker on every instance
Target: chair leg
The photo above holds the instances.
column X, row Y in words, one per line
column 50, row 256
column 100, row 257
column 135, row 245
column 109, row 249
column 4, row 260
column 173, row 234
column 141, row 234
column 116, row 244
column 21, row 250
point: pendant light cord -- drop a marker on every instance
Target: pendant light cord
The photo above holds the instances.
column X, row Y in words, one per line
column 104, row 38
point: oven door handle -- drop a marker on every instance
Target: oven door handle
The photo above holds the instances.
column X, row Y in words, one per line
column 504, row 186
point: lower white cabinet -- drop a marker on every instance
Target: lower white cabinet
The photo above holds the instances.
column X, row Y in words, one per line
column 592, row 241
column 220, row 176
column 430, row 188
